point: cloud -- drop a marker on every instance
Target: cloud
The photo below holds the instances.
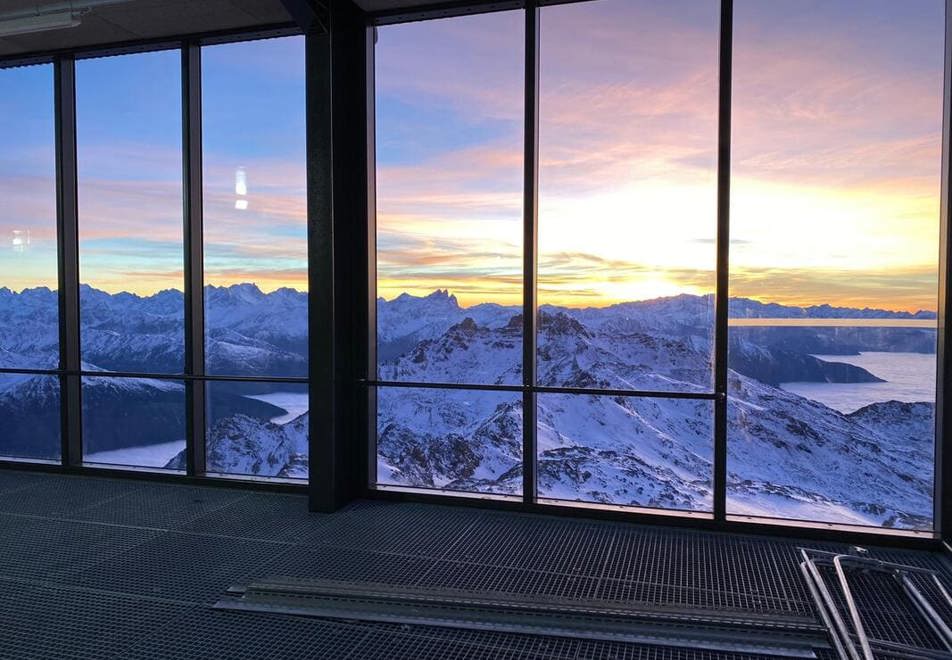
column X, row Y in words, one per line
column 835, row 115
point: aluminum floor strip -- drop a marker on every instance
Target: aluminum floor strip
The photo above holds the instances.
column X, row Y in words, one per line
column 778, row 636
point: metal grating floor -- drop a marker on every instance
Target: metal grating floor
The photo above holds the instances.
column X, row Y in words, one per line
column 92, row 567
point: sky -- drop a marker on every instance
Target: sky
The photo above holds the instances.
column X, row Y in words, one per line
column 835, row 157
column 835, row 153
column 129, row 141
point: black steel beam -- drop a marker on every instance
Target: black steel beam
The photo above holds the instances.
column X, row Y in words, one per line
column 356, row 361
column 435, row 10
column 194, row 257
column 67, row 225
column 722, row 294
column 309, row 15
column 322, row 338
column 942, row 492
column 530, row 230
column 337, row 242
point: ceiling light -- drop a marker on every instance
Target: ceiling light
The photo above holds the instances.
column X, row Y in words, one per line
column 40, row 23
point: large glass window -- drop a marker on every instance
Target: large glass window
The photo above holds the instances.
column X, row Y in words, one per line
column 449, row 121
column 626, row 265
column 835, row 185
column 648, row 452
column 449, row 141
column 129, row 152
column 29, row 330
column 627, row 193
column 135, row 422
column 457, row 440
column 837, row 132
column 255, row 241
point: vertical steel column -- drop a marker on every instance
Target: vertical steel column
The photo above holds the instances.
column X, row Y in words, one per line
column 67, row 225
column 530, row 211
column 322, row 338
column 723, row 254
column 942, row 489
column 194, row 257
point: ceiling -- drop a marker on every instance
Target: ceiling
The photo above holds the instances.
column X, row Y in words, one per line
column 131, row 20
column 142, row 19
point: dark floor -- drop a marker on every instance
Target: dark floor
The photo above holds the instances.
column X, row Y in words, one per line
column 110, row 568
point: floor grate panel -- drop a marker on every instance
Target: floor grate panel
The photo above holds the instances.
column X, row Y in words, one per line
column 95, row 567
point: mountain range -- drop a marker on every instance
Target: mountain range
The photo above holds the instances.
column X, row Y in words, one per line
column 787, row 456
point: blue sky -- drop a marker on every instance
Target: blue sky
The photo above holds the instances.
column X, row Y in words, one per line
column 129, row 112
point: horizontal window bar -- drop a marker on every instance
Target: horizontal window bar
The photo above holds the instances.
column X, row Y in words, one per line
column 542, row 389
column 448, row 492
column 33, row 372
column 840, row 527
column 128, row 374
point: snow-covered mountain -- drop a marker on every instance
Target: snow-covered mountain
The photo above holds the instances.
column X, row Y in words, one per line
column 248, row 332
column 788, row 456
column 242, row 444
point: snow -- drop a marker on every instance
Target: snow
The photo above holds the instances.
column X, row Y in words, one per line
column 789, row 456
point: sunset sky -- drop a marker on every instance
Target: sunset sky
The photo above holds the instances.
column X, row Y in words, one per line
column 835, row 164
column 836, row 152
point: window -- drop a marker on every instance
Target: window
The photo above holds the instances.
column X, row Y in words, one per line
column 129, row 154
column 825, row 394
column 255, row 241
column 134, row 422
column 449, row 140
column 29, row 330
column 837, row 132
column 626, row 265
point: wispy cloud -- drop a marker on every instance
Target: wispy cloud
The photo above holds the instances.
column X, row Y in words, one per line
column 836, row 141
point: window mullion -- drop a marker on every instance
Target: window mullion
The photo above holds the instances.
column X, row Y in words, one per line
column 723, row 247
column 530, row 212
column 194, row 262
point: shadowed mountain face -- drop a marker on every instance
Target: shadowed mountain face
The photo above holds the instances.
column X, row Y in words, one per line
column 788, row 456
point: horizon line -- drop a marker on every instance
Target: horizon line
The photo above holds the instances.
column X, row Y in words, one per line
column 738, row 321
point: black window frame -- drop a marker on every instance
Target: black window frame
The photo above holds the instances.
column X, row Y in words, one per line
column 719, row 518
column 341, row 272
column 194, row 376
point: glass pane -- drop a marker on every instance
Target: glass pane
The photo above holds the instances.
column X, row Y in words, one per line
column 627, row 182
column 450, row 440
column 135, row 422
column 129, row 142
column 255, row 208
column 257, row 429
column 30, row 410
column 449, row 124
column 835, row 195
column 29, row 335
column 630, row 451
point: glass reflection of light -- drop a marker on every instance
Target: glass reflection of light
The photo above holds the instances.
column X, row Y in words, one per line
column 20, row 240
column 241, row 189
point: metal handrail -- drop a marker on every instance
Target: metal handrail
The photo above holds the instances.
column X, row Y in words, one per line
column 842, row 636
